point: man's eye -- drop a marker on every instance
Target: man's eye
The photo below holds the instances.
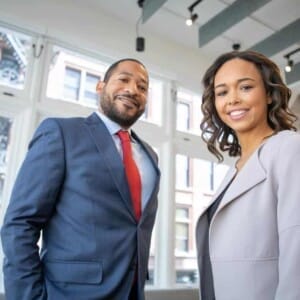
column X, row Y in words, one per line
column 142, row 88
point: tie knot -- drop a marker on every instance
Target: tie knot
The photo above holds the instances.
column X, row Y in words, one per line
column 123, row 135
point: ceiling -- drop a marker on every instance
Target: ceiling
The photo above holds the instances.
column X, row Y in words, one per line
column 269, row 26
column 168, row 21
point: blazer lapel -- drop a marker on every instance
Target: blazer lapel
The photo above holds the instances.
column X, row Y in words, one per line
column 250, row 175
column 229, row 176
column 112, row 158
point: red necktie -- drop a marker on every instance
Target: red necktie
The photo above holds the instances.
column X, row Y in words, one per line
column 132, row 172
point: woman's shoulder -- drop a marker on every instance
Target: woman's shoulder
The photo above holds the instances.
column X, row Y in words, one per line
column 283, row 142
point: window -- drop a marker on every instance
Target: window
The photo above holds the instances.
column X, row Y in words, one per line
column 183, row 172
column 72, row 83
column 182, row 230
column 183, row 116
column 188, row 112
column 202, row 178
column 73, row 77
column 14, row 50
column 90, row 94
column 5, row 126
column 153, row 111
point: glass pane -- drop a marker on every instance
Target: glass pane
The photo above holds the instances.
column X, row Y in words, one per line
column 90, row 95
column 182, row 213
column 5, row 126
column 189, row 113
column 182, row 172
column 183, row 116
column 153, row 111
column 14, row 53
column 73, row 77
column 72, row 83
column 205, row 177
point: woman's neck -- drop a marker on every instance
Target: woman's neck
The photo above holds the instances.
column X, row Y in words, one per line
column 249, row 143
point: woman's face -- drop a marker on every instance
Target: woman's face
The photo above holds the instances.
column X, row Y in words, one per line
column 240, row 97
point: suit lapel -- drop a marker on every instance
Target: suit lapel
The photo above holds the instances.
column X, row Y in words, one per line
column 112, row 158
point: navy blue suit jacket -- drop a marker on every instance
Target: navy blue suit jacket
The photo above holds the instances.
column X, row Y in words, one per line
column 72, row 187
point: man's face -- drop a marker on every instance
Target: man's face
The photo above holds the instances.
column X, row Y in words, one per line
column 123, row 97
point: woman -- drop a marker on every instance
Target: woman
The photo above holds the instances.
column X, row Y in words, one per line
column 248, row 238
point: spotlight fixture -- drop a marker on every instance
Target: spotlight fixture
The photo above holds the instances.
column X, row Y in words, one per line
column 191, row 20
column 193, row 17
column 289, row 66
column 290, row 63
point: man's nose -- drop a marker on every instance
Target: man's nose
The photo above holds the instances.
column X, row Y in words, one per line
column 132, row 88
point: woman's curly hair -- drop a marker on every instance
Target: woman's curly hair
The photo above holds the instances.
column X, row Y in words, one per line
column 215, row 133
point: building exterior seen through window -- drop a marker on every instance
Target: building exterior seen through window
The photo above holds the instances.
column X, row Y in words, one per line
column 73, row 77
column 189, row 112
column 5, row 126
column 14, row 51
column 196, row 182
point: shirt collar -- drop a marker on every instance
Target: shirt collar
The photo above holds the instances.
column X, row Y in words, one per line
column 111, row 126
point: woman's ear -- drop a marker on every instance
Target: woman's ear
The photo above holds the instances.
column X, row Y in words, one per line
column 99, row 87
column 269, row 100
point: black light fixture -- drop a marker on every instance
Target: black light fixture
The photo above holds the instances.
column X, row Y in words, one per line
column 193, row 16
column 140, row 41
column 290, row 63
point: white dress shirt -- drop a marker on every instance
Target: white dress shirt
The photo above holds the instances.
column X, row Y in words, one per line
column 142, row 160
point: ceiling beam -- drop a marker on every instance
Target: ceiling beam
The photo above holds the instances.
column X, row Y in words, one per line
column 150, row 7
column 280, row 40
column 227, row 18
column 294, row 75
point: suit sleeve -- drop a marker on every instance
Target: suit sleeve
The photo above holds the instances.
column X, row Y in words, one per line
column 288, row 214
column 31, row 205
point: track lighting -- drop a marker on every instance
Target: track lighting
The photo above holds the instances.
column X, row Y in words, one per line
column 289, row 66
column 193, row 17
column 290, row 63
column 191, row 20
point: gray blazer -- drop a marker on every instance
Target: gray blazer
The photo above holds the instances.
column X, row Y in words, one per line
column 254, row 236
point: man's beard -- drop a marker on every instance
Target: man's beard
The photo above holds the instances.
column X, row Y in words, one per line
column 110, row 109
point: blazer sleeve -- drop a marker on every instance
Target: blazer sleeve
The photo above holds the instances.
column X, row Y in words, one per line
column 31, row 205
column 288, row 214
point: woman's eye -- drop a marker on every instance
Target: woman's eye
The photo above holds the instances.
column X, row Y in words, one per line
column 221, row 93
column 246, row 87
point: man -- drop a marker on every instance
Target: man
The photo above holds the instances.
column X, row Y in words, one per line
column 73, row 188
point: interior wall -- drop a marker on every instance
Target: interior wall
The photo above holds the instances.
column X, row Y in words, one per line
column 86, row 27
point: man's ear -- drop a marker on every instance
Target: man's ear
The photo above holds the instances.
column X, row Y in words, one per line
column 99, row 87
